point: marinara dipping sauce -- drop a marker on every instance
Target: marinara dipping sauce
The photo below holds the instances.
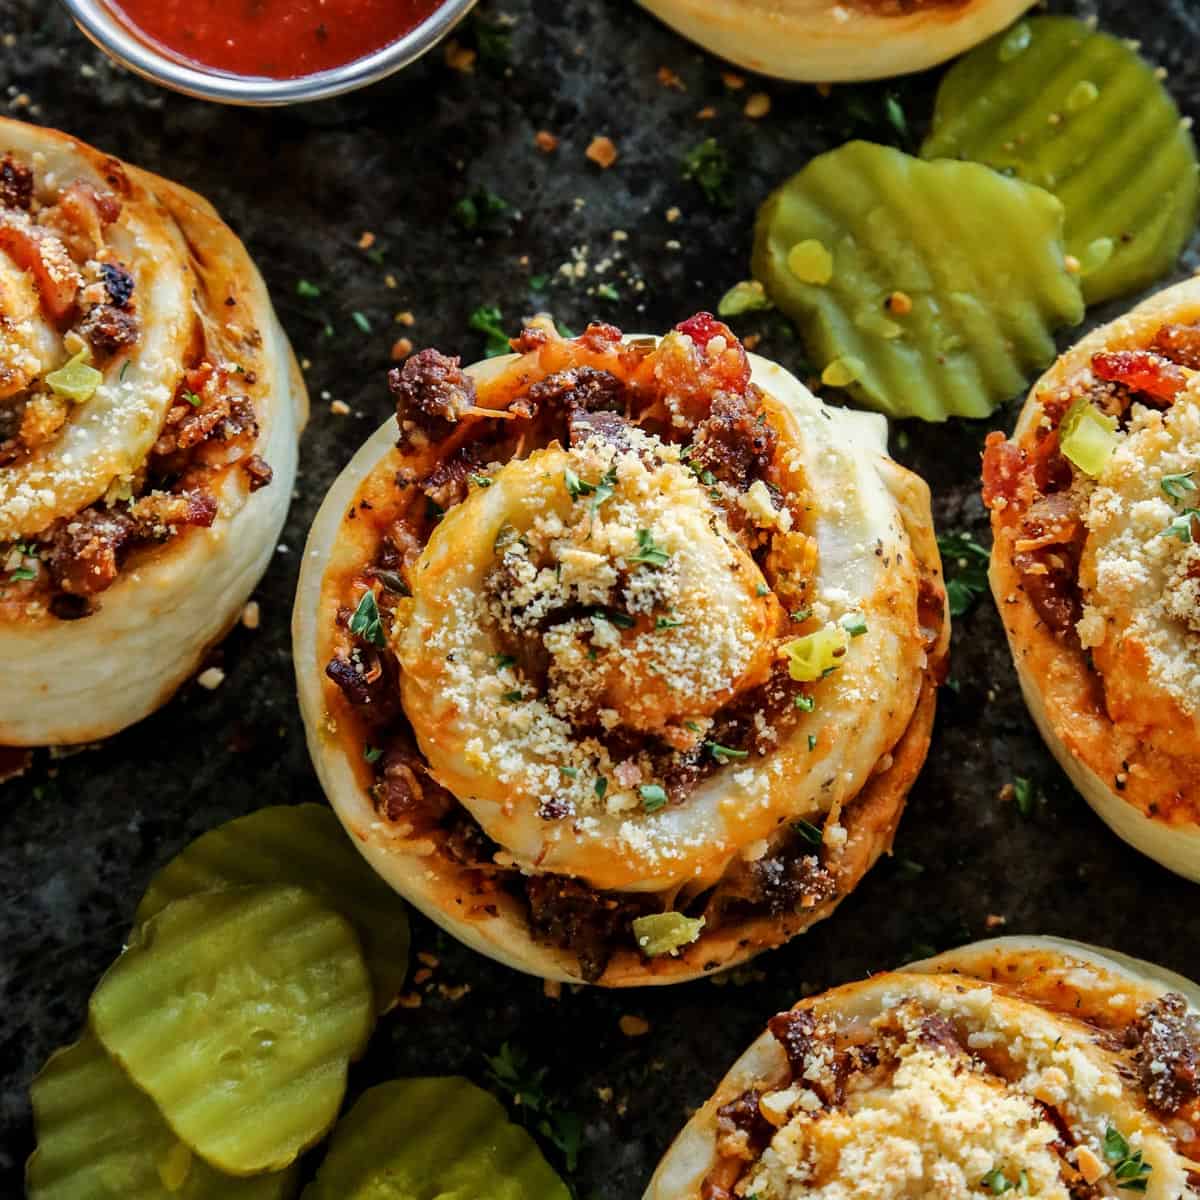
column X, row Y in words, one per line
column 276, row 39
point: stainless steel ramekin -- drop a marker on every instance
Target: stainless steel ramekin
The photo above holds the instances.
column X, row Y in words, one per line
column 103, row 27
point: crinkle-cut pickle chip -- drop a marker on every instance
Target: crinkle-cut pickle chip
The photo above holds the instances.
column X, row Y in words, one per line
column 432, row 1139
column 302, row 844
column 99, row 1138
column 1082, row 114
column 948, row 278
column 238, row 1013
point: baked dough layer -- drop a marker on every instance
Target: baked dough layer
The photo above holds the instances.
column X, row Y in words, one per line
column 817, row 41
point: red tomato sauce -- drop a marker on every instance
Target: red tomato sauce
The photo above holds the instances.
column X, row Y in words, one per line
column 278, row 39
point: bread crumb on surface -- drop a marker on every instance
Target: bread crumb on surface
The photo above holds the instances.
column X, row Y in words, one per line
column 251, row 615
column 545, row 141
column 211, row 679
column 602, row 151
column 634, row 1026
column 758, row 104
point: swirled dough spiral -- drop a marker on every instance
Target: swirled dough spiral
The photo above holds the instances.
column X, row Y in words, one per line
column 148, row 397
column 1095, row 570
column 575, row 702
column 1031, row 1065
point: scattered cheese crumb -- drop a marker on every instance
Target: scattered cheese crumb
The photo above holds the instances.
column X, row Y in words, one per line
column 634, row 1026
column 251, row 615
column 211, row 679
column 758, row 104
column 339, row 408
column 367, row 240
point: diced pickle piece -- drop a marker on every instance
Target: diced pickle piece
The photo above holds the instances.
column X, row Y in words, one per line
column 99, row 1138
column 305, row 845
column 1087, row 437
column 432, row 1139
column 964, row 268
column 238, row 1013
column 1082, row 114
column 664, row 933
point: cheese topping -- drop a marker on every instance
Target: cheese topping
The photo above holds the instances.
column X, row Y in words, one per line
column 1141, row 618
column 937, row 1127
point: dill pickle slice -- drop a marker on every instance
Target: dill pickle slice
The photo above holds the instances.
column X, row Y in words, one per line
column 99, row 1138
column 432, row 1139
column 946, row 279
column 305, row 845
column 1082, row 114
column 238, row 1013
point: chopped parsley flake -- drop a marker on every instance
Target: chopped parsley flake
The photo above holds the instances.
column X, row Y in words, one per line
column 1181, row 526
column 808, row 831
column 801, row 615
column 653, row 797
column 361, row 321
column 481, row 480
column 805, row 703
column 724, row 754
column 510, row 1071
column 649, row 552
column 855, row 624
column 1178, row 486
column 812, row 742
column 613, row 617
column 601, row 786
column 1128, row 1168
column 667, row 623
column 486, row 320
column 503, row 660
column 309, row 291
column 537, row 283
column 192, row 399
column 1023, row 794
column 707, row 166
column 599, row 492
column 762, row 590
column 481, row 210
column 569, row 772
column 372, row 753
column 997, row 1182
column 964, row 561
column 493, row 44
column 21, row 574
column 513, row 696
column 606, row 291
column 366, row 622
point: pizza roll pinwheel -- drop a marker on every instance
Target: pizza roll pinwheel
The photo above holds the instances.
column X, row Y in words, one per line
column 618, row 656
column 1096, row 569
column 149, row 416
column 1030, row 1066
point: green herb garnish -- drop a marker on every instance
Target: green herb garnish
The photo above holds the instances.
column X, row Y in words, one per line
column 309, row 291
column 1128, row 1168
column 480, row 480
column 614, row 617
column 606, row 291
column 1178, row 486
column 1023, row 794
column 653, row 797
column 600, row 786
column 503, row 660
column 649, row 551
column 22, row 575
column 486, row 320
column 855, row 624
column 366, row 622
column 808, row 831
column 805, row 703
column 480, row 210
column 707, row 165
column 964, row 561
column 1181, row 526
column 361, row 321
column 513, row 696
column 667, row 623
column 372, row 753
column 724, row 754
column 509, row 1069
column 192, row 399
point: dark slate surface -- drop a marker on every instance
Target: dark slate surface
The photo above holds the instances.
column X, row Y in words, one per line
column 82, row 834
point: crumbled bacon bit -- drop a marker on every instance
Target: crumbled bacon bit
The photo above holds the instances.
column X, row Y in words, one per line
column 602, row 151
column 1143, row 372
column 45, row 257
column 259, row 472
column 108, row 329
column 1004, row 465
column 16, row 184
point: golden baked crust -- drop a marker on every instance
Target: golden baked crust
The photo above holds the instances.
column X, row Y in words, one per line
column 821, row 42
column 603, row 758
column 1112, row 683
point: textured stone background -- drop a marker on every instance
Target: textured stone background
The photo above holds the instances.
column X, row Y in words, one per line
column 81, row 835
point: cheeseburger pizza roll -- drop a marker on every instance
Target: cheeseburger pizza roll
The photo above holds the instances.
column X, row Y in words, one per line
column 822, row 42
column 1029, row 1066
column 618, row 656
column 149, row 413
column 1096, row 569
